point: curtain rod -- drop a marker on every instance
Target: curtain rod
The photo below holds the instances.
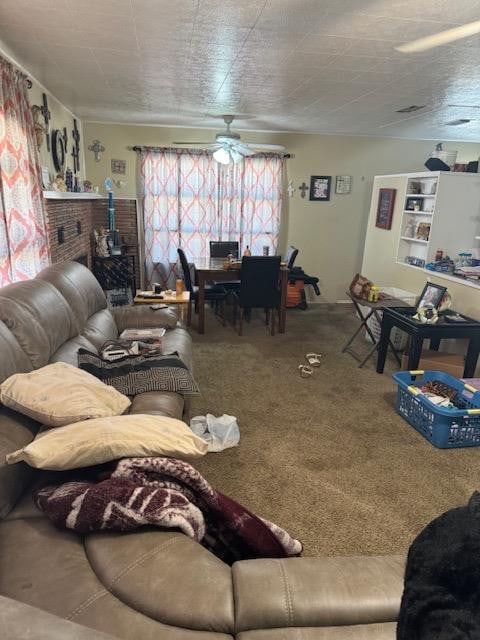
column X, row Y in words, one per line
column 147, row 147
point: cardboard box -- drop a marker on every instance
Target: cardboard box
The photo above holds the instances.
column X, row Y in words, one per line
column 451, row 363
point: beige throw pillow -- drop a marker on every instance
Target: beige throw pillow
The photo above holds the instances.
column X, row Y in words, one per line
column 60, row 394
column 92, row 442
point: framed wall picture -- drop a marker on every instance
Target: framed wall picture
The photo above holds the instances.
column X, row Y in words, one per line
column 386, row 202
column 343, row 184
column 119, row 166
column 320, row 188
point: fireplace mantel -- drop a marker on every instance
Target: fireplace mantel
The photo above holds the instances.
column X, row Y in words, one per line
column 69, row 195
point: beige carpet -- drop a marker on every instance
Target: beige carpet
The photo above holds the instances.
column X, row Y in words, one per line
column 327, row 457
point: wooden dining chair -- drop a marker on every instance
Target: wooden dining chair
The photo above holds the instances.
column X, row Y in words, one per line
column 259, row 288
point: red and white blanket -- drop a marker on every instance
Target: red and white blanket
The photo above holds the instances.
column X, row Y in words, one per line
column 163, row 492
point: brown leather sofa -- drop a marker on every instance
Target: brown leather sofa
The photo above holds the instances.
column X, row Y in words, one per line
column 152, row 584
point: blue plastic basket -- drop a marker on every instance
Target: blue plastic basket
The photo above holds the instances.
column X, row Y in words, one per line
column 445, row 428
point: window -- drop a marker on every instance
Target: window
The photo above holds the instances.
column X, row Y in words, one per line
column 189, row 199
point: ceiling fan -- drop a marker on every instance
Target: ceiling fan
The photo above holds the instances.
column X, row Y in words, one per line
column 443, row 37
column 228, row 146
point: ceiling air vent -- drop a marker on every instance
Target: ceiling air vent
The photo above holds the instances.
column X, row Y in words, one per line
column 411, row 108
column 455, row 123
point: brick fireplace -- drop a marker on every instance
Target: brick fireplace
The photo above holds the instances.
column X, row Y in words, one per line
column 72, row 221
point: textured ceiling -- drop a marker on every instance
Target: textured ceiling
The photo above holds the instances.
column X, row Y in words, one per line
column 292, row 65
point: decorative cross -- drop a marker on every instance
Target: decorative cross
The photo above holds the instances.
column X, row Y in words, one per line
column 303, row 188
column 290, row 188
column 65, row 140
column 76, row 147
column 97, row 148
column 46, row 116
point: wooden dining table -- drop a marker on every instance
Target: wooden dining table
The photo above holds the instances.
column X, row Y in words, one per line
column 208, row 271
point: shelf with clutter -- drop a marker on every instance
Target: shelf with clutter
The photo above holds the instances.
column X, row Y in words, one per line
column 439, row 227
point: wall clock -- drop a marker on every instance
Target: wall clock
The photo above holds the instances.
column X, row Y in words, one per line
column 58, row 151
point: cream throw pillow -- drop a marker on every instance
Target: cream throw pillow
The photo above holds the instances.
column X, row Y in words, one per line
column 60, row 394
column 92, row 442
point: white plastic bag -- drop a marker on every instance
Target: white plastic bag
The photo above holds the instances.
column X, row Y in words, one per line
column 220, row 433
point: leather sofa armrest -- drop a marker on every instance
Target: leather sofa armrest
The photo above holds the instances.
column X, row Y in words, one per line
column 317, row 592
column 20, row 621
column 142, row 317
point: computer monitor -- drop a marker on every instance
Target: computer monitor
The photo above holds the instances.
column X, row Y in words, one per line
column 221, row 249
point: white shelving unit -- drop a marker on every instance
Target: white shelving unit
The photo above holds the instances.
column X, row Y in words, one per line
column 448, row 208
column 418, row 212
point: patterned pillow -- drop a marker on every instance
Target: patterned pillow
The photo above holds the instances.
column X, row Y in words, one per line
column 132, row 375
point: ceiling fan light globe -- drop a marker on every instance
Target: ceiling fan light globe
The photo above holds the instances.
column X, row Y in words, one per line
column 222, row 156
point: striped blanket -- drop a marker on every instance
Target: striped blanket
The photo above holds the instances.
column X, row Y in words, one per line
column 163, row 492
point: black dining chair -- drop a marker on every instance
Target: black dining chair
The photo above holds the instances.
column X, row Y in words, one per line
column 216, row 293
column 223, row 248
column 292, row 253
column 259, row 288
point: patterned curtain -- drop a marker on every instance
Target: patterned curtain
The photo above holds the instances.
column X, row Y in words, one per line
column 250, row 202
column 190, row 199
column 24, row 249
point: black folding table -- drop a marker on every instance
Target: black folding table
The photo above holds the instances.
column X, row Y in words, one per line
column 401, row 317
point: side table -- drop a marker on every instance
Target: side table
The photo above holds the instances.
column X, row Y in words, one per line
column 401, row 317
column 182, row 301
column 375, row 310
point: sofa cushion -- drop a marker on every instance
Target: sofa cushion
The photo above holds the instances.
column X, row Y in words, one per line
column 59, row 394
column 47, row 568
column 16, row 431
column 68, row 352
column 18, row 620
column 179, row 340
column 13, row 359
column 318, row 592
column 38, row 316
column 160, row 403
column 79, row 287
column 100, row 327
column 381, row 631
column 92, row 442
column 142, row 317
column 168, row 576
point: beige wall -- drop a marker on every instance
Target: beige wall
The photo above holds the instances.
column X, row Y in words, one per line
column 330, row 235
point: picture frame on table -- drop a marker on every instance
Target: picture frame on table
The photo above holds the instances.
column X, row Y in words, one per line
column 320, row 188
column 386, row 202
column 432, row 294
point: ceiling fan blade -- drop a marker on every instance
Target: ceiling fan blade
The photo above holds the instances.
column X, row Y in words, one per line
column 443, row 37
column 244, row 149
column 266, row 147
